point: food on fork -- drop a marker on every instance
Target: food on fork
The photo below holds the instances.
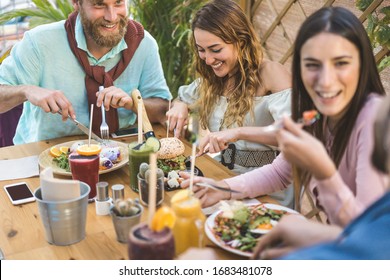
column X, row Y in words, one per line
column 309, row 117
column 170, row 156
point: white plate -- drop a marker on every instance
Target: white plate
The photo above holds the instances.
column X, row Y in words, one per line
column 210, row 223
column 46, row 160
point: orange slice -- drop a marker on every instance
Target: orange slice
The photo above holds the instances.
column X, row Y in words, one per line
column 164, row 217
column 55, row 152
column 181, row 195
column 64, row 149
column 90, row 150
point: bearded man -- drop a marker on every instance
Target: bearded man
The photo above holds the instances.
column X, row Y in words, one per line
column 59, row 67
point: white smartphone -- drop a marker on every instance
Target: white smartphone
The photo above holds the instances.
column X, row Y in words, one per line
column 130, row 131
column 19, row 193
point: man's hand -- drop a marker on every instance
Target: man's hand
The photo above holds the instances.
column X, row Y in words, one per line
column 50, row 101
column 114, row 97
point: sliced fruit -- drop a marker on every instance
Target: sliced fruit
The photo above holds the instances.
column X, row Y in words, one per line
column 90, row 150
column 164, row 217
column 181, row 195
column 55, row 152
column 64, row 149
column 154, row 143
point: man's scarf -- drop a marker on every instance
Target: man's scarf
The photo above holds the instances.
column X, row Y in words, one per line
column 96, row 76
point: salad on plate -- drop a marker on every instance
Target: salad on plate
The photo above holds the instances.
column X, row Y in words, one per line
column 237, row 226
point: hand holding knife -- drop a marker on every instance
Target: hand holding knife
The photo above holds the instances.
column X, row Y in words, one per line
column 83, row 128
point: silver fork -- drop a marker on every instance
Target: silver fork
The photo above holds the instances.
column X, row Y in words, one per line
column 104, row 131
column 279, row 124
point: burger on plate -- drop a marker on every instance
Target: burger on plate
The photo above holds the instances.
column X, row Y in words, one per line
column 170, row 156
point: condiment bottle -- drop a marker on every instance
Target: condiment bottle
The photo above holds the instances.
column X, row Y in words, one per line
column 103, row 201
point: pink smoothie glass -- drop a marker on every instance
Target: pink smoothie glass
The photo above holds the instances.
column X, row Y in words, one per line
column 85, row 169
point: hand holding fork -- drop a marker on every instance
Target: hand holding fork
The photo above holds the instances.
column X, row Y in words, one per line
column 104, row 131
column 308, row 118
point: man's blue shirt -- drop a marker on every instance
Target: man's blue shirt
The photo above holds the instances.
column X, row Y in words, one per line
column 44, row 58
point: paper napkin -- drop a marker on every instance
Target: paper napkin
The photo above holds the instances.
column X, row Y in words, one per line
column 25, row 167
column 54, row 189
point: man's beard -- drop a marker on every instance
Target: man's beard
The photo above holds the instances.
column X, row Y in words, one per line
column 109, row 40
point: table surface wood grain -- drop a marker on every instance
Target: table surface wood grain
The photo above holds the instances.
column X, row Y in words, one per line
column 21, row 230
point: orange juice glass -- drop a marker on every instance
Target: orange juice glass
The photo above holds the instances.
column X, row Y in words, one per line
column 188, row 230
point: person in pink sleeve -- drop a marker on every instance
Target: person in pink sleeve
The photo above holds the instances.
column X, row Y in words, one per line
column 334, row 72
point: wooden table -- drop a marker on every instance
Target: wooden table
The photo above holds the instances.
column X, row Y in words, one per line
column 21, row 231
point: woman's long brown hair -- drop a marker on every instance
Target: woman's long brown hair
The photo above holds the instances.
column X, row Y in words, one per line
column 339, row 21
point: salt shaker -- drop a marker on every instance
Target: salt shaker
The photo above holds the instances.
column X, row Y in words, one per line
column 103, row 201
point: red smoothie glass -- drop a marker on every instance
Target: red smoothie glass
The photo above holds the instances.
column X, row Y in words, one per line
column 146, row 244
column 85, row 169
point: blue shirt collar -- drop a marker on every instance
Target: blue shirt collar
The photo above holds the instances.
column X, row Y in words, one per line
column 82, row 44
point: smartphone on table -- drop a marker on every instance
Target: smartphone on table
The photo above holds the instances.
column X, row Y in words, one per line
column 130, row 131
column 19, row 193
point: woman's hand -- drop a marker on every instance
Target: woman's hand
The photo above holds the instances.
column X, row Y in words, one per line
column 114, row 97
column 177, row 117
column 291, row 233
column 207, row 197
column 218, row 141
column 304, row 150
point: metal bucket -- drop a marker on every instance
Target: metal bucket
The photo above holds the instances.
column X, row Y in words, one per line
column 123, row 225
column 64, row 221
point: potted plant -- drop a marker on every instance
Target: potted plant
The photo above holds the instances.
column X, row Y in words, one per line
column 125, row 214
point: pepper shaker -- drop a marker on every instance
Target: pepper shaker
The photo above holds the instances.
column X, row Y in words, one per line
column 118, row 192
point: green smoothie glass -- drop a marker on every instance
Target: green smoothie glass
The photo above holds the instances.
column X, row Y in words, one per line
column 137, row 155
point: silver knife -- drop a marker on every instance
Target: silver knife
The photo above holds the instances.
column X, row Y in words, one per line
column 218, row 188
column 84, row 129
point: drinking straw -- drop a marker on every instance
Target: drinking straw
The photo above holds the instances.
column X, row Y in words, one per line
column 192, row 166
column 139, row 109
column 90, row 126
column 169, row 107
column 152, row 186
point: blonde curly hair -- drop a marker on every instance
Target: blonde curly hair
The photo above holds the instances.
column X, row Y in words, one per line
column 226, row 20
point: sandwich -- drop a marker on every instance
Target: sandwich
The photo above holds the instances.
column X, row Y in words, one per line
column 170, row 156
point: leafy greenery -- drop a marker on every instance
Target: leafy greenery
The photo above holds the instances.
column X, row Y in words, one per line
column 44, row 12
column 378, row 28
column 169, row 23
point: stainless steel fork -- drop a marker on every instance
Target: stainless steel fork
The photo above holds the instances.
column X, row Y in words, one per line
column 104, row 131
column 279, row 124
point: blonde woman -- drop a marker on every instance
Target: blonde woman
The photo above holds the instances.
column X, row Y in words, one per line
column 237, row 92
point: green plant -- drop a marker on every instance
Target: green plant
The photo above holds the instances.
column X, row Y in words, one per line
column 44, row 12
column 126, row 208
column 169, row 23
column 378, row 28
